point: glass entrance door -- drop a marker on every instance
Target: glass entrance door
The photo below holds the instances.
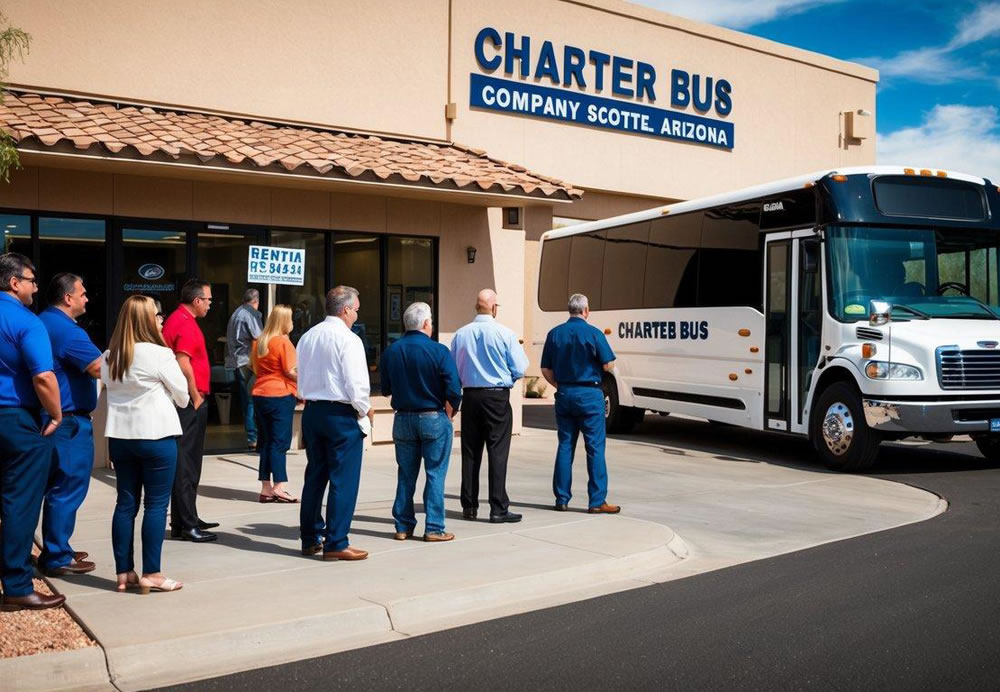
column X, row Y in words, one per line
column 221, row 258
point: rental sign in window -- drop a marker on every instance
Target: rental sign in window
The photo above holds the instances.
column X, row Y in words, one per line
column 572, row 72
column 276, row 265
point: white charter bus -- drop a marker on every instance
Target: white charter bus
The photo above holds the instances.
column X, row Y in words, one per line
column 849, row 306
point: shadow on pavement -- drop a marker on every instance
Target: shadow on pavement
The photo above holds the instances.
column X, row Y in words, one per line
column 683, row 436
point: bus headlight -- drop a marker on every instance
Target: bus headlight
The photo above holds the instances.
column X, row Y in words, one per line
column 881, row 370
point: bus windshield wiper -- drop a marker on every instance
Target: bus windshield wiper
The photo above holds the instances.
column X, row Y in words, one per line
column 919, row 313
column 988, row 308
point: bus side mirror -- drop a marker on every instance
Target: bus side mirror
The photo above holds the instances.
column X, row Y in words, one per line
column 810, row 256
column 879, row 312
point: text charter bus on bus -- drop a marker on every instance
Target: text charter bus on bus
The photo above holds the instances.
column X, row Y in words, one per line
column 848, row 306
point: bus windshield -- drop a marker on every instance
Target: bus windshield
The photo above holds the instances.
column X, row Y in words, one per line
column 923, row 272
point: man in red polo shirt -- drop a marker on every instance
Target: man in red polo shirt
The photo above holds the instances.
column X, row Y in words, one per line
column 184, row 337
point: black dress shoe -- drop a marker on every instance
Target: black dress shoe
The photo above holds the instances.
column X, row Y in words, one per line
column 197, row 535
column 33, row 601
column 505, row 518
column 469, row 514
column 561, row 508
column 206, row 525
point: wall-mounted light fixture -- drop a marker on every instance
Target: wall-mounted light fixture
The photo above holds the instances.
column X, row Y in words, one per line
column 470, row 253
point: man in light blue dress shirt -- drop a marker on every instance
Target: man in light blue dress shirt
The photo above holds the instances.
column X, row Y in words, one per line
column 490, row 360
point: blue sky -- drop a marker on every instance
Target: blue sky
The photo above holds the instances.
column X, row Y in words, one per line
column 940, row 83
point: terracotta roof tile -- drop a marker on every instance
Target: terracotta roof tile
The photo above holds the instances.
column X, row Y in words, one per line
column 212, row 139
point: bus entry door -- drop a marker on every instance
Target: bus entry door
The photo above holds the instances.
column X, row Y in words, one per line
column 778, row 325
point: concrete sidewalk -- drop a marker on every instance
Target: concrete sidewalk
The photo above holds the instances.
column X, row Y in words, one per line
column 251, row 600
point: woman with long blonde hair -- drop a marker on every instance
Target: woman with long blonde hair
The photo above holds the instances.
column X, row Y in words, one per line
column 272, row 358
column 144, row 383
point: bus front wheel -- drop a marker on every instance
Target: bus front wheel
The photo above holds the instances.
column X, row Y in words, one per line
column 989, row 447
column 839, row 432
column 618, row 419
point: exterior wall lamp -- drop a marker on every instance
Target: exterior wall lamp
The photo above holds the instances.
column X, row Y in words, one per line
column 470, row 253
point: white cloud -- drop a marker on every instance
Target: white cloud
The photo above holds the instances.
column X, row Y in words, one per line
column 954, row 137
column 984, row 22
column 735, row 14
column 937, row 64
column 928, row 65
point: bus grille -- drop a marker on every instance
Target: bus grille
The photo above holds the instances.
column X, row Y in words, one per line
column 979, row 369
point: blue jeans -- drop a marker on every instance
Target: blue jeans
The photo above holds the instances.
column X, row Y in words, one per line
column 67, row 488
column 26, row 460
column 334, row 444
column 274, row 413
column 141, row 465
column 244, row 383
column 428, row 436
column 580, row 409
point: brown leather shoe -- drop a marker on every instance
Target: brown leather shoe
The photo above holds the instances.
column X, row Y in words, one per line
column 438, row 537
column 33, row 601
column 403, row 535
column 604, row 509
column 313, row 549
column 80, row 556
column 75, row 567
column 346, row 554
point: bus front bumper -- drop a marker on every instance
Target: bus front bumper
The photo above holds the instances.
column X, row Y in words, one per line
column 944, row 417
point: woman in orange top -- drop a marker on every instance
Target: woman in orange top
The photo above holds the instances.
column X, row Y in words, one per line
column 272, row 358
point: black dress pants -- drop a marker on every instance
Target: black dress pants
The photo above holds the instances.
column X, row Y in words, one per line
column 487, row 420
column 190, row 448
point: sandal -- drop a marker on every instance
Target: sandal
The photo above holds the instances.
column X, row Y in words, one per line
column 167, row 585
column 131, row 582
column 266, row 498
column 285, row 497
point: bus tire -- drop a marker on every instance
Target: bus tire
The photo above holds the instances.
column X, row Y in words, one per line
column 839, row 432
column 618, row 419
column 989, row 447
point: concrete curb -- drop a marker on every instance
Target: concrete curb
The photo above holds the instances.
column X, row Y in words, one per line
column 220, row 653
column 77, row 670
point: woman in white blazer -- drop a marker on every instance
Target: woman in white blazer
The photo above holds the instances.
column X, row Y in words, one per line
column 144, row 383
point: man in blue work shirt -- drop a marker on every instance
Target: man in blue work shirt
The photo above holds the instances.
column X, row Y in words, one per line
column 77, row 366
column 420, row 376
column 490, row 360
column 27, row 384
column 574, row 359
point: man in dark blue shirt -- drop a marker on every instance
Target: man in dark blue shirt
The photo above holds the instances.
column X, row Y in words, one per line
column 574, row 359
column 420, row 376
column 27, row 384
column 77, row 367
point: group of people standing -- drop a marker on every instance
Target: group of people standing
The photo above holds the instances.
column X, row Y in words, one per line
column 156, row 373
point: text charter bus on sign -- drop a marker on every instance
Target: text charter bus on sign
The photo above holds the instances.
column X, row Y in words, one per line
column 848, row 306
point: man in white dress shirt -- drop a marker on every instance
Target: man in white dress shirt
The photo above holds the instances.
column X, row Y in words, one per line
column 333, row 380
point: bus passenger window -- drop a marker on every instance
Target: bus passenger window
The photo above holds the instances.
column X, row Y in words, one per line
column 586, row 268
column 624, row 267
column 553, row 275
column 729, row 272
column 672, row 262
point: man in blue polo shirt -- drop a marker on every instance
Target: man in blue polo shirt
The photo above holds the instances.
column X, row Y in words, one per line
column 420, row 376
column 27, row 384
column 77, row 367
column 574, row 359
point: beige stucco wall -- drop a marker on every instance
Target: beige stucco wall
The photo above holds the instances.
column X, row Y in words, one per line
column 385, row 67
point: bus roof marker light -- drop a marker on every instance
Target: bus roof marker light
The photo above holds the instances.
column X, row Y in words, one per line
column 664, row 212
column 839, row 178
column 925, row 171
column 942, row 174
column 909, row 171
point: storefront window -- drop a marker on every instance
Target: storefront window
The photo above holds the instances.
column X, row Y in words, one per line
column 16, row 233
column 308, row 300
column 76, row 246
column 410, row 265
column 153, row 264
column 357, row 262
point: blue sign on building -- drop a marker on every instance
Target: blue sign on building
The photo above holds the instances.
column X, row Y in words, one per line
column 578, row 72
